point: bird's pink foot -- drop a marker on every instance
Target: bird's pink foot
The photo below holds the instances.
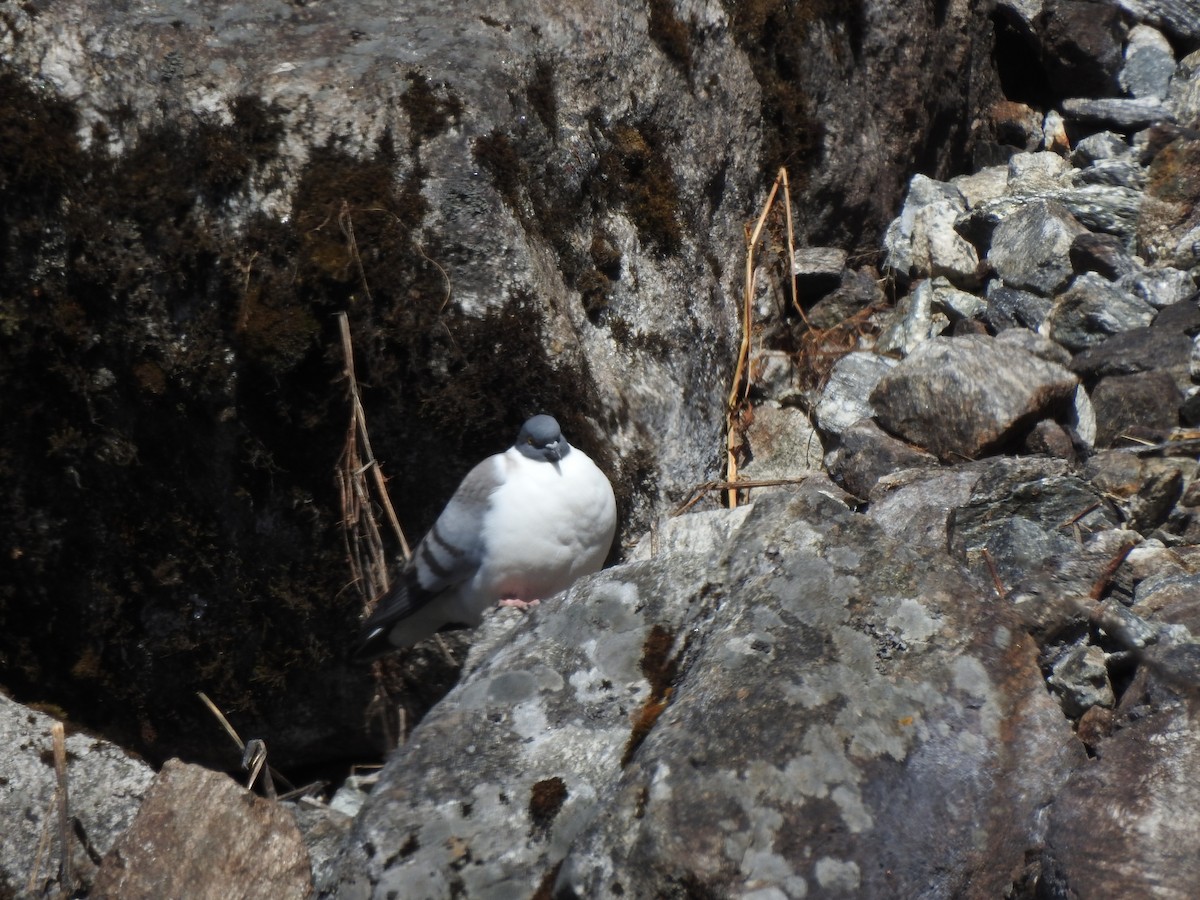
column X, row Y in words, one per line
column 518, row 603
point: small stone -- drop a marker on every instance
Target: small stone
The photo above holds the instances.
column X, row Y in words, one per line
column 1146, row 404
column 1032, row 172
column 818, row 270
column 1149, row 64
column 783, row 443
column 1160, row 287
column 1093, row 308
column 1080, row 678
column 1101, row 145
column 1119, row 113
column 956, row 397
column 845, row 398
column 912, row 322
column 986, row 184
column 1010, row 308
column 1029, row 248
column 1104, row 254
column 1112, row 172
column 868, row 453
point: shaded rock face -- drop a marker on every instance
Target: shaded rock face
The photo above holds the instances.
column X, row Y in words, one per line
column 516, row 210
column 830, row 709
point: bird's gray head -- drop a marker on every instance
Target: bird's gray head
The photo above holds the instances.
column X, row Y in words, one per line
column 541, row 439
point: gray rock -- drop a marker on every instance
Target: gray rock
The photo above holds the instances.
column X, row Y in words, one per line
column 958, row 397
column 1147, row 489
column 1176, row 17
column 1160, row 286
column 1101, row 207
column 1149, row 64
column 1138, row 350
column 1183, row 96
column 819, row 263
column 782, row 443
column 1098, row 146
column 1032, row 342
column 706, row 805
column 1091, row 310
column 1029, row 247
column 986, row 184
column 867, row 453
column 1119, row 113
column 773, row 374
column 105, row 787
column 704, row 533
column 1104, row 254
column 845, row 398
column 957, row 305
column 1142, row 405
column 1010, row 308
column 1125, row 172
column 1080, row 679
column 912, row 322
column 1138, row 801
column 922, row 241
column 1029, row 173
column 1018, row 511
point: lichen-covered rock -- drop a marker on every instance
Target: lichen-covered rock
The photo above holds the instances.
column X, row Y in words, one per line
column 957, row 397
column 782, row 720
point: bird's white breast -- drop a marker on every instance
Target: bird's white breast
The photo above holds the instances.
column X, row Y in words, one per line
column 547, row 525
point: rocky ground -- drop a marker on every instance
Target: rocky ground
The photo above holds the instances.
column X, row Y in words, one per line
column 954, row 656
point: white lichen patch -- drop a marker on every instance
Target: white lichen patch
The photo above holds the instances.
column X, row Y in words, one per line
column 912, row 622
column 838, row 875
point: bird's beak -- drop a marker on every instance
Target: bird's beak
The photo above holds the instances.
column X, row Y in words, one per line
column 553, row 453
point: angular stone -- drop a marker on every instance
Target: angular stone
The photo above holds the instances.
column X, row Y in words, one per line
column 1161, row 286
column 1010, row 308
column 845, row 398
column 1138, row 350
column 1092, row 309
column 867, row 453
column 912, row 322
column 782, row 443
column 1146, row 405
column 1104, row 254
column 1126, row 173
column 198, row 834
column 1080, row 679
column 1118, row 113
column 1016, row 124
column 956, row 397
column 1101, row 145
column 1029, row 173
column 900, row 236
column 1029, row 247
column 1149, row 64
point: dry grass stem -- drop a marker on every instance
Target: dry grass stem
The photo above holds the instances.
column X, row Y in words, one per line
column 360, row 497
column 701, row 489
column 251, row 752
column 66, row 875
column 742, row 377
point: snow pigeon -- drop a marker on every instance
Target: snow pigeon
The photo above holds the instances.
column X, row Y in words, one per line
column 523, row 525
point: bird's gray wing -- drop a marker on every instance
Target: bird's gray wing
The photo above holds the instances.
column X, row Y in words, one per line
column 447, row 556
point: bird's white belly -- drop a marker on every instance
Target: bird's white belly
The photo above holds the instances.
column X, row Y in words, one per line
column 550, row 526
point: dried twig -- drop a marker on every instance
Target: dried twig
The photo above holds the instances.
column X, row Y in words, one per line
column 360, row 531
column 66, row 875
column 254, row 753
column 701, row 489
column 740, row 389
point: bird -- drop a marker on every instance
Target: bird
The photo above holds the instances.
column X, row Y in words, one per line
column 523, row 525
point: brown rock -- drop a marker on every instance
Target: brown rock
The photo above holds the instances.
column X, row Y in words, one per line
column 199, row 835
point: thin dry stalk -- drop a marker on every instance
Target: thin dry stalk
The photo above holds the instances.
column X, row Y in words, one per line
column 701, row 489
column 360, row 530
column 740, row 390
column 66, row 875
column 254, row 753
